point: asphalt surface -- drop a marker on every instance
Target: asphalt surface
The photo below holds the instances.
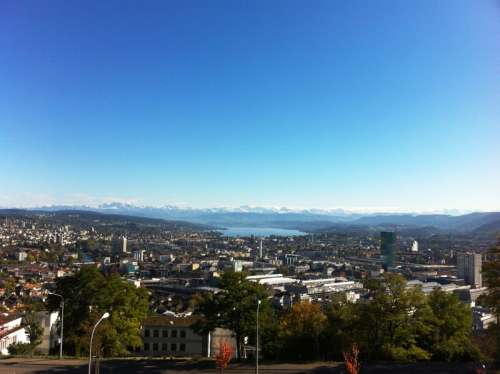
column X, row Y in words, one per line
column 39, row 366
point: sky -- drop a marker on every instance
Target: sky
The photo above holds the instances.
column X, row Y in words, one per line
column 383, row 105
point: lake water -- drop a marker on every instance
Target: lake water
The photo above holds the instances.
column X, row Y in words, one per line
column 259, row 231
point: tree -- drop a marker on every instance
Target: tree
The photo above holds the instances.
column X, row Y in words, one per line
column 341, row 321
column 491, row 277
column 234, row 307
column 449, row 336
column 87, row 295
column 300, row 330
column 34, row 331
column 391, row 322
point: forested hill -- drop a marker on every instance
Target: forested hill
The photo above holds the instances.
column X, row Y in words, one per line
column 87, row 219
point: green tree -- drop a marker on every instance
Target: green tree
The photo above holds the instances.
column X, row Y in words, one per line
column 338, row 336
column 34, row 331
column 87, row 295
column 491, row 277
column 300, row 330
column 449, row 335
column 391, row 322
column 234, row 307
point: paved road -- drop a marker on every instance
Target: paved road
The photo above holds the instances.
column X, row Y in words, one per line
column 40, row 366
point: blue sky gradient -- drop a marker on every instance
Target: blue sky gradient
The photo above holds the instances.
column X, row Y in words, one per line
column 386, row 105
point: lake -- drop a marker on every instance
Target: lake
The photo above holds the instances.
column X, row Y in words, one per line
column 259, row 231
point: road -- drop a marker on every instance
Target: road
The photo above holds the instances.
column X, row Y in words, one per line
column 115, row 366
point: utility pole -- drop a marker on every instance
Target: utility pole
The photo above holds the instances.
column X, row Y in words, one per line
column 104, row 316
column 257, row 341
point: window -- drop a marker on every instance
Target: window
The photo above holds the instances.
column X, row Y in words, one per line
column 183, row 333
column 155, row 333
column 146, row 346
column 182, row 347
column 146, row 333
column 164, row 347
column 173, row 347
column 174, row 333
column 155, row 347
column 165, row 333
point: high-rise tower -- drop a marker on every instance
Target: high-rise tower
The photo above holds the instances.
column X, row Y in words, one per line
column 469, row 268
column 388, row 248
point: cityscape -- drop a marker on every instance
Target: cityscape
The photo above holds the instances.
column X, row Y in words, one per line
column 276, row 187
column 176, row 264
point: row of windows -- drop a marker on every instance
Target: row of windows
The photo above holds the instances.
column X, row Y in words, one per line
column 164, row 347
column 4, row 343
column 164, row 333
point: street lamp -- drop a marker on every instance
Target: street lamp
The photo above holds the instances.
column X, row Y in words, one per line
column 62, row 323
column 104, row 316
column 257, row 341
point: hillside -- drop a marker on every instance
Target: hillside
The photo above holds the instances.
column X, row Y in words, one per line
column 87, row 219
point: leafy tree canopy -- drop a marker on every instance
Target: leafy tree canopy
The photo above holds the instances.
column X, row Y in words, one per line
column 300, row 328
column 491, row 278
column 87, row 295
column 234, row 307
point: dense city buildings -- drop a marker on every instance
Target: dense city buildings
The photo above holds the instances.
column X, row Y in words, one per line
column 178, row 264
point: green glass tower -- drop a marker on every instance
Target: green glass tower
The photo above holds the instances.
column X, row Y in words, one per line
column 388, row 248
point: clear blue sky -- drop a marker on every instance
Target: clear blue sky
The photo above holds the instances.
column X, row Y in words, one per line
column 321, row 104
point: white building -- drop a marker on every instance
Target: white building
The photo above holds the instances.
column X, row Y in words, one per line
column 124, row 244
column 482, row 318
column 414, row 246
column 139, row 255
column 11, row 332
column 172, row 335
column 22, row 256
column 273, row 280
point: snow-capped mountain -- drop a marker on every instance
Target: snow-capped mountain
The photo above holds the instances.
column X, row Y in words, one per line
column 282, row 217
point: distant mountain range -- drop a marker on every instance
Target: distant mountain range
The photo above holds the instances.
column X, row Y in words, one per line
column 87, row 218
column 312, row 220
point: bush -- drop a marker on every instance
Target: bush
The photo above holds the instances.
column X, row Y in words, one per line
column 20, row 349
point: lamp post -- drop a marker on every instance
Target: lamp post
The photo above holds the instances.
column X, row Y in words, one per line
column 62, row 323
column 257, row 341
column 104, row 316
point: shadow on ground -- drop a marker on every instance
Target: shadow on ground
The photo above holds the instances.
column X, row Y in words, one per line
column 34, row 366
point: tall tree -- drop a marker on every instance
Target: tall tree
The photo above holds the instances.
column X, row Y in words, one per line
column 390, row 323
column 87, row 295
column 449, row 335
column 491, row 277
column 338, row 336
column 300, row 330
column 234, row 307
column 34, row 331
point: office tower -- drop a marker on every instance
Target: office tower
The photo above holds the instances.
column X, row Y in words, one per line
column 260, row 250
column 139, row 255
column 469, row 268
column 414, row 246
column 124, row 244
column 388, row 248
column 60, row 239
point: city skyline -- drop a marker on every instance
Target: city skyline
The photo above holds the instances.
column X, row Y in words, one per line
column 335, row 105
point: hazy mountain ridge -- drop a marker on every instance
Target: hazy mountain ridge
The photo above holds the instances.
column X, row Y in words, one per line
column 312, row 220
column 88, row 218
